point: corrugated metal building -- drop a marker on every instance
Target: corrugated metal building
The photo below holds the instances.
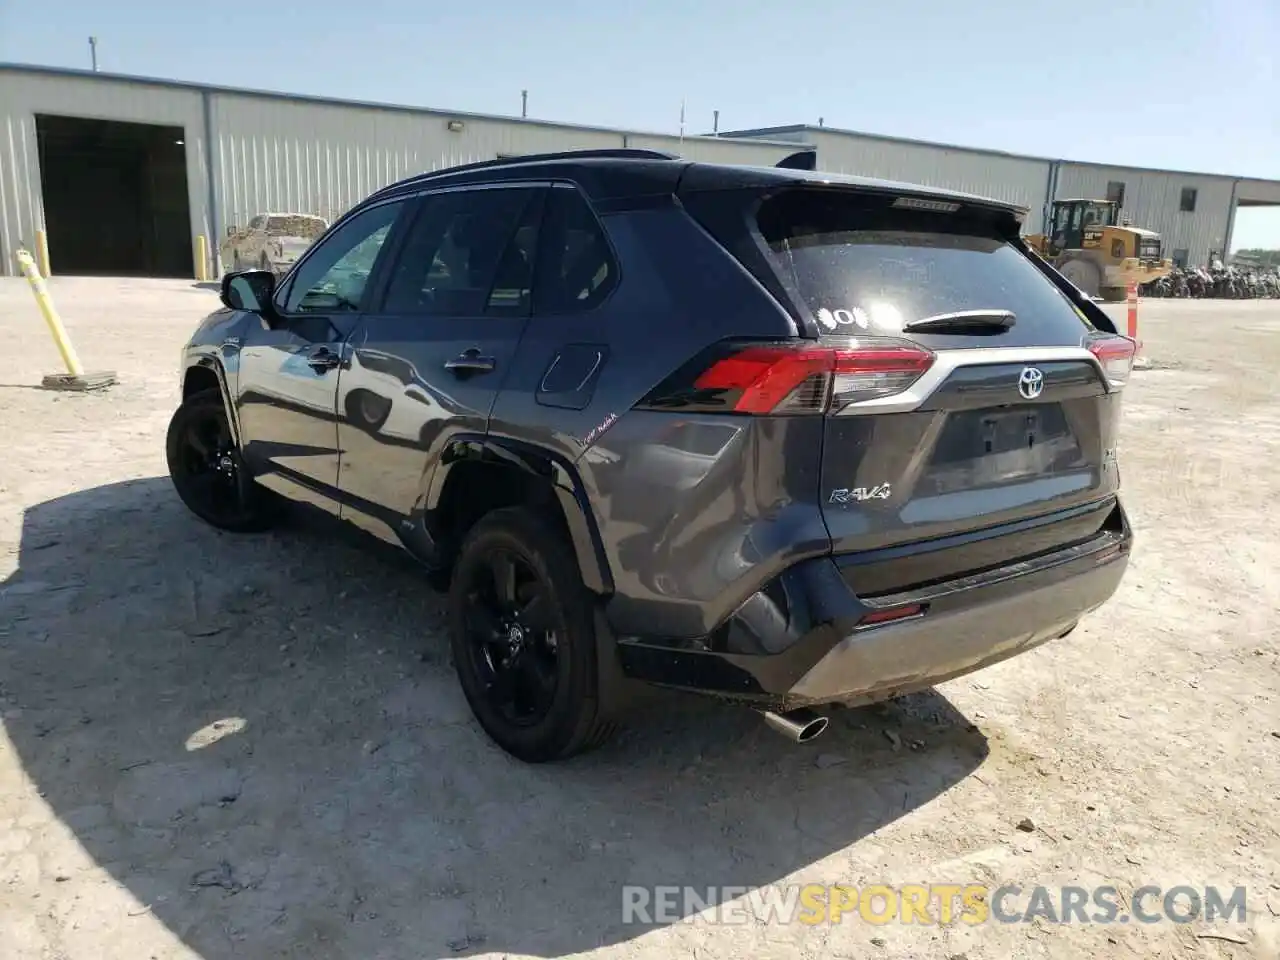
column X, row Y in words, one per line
column 215, row 157
column 988, row 173
column 247, row 152
column 1193, row 212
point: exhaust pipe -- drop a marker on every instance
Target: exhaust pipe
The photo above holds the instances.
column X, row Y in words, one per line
column 800, row 726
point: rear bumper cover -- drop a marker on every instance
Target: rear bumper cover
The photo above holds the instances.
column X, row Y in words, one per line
column 967, row 624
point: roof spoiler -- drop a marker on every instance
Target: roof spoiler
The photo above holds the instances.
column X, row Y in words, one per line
column 803, row 160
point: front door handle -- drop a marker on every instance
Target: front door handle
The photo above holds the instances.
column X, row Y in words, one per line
column 322, row 358
column 470, row 361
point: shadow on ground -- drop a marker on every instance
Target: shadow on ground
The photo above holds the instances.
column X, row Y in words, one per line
column 261, row 739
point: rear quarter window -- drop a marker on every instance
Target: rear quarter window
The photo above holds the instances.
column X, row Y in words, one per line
column 862, row 267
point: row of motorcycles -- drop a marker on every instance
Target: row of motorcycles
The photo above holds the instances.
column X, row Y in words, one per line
column 1220, row 283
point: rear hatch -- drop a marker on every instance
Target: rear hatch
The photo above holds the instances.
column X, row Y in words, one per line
column 970, row 408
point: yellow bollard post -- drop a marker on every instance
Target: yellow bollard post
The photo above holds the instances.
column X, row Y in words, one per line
column 75, row 378
column 42, row 254
column 202, row 258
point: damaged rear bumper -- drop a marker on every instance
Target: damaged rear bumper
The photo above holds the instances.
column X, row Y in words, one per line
column 822, row 644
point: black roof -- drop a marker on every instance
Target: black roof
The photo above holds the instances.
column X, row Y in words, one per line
column 606, row 174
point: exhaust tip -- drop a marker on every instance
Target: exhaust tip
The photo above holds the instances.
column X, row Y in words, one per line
column 800, row 726
column 812, row 730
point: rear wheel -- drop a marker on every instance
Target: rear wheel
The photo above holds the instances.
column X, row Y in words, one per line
column 1083, row 274
column 207, row 471
column 523, row 638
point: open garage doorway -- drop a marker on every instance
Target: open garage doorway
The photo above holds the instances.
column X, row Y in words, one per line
column 1255, row 237
column 115, row 197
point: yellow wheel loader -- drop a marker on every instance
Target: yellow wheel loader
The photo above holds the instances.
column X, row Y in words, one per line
column 1092, row 248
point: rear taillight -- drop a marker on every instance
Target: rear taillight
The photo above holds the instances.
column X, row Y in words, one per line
column 792, row 377
column 1115, row 355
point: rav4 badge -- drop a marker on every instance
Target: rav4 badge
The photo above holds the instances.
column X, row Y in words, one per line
column 880, row 491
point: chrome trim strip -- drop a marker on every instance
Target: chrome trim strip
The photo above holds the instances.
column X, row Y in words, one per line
column 947, row 362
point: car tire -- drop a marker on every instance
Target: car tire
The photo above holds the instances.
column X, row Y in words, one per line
column 366, row 410
column 559, row 639
column 208, row 472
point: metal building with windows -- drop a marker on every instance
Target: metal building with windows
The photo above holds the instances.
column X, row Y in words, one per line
column 124, row 174
column 1194, row 213
column 137, row 176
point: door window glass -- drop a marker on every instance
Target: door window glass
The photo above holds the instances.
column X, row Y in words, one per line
column 334, row 277
column 469, row 253
column 576, row 269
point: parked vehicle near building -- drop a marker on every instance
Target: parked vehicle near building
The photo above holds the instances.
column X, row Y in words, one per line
column 776, row 436
column 271, row 241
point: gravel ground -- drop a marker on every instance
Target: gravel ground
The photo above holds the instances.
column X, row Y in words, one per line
column 240, row 747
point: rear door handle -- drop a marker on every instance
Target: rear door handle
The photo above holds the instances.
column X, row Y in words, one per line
column 470, row 361
column 322, row 358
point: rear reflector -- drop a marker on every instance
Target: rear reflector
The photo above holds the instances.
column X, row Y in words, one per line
column 1115, row 355
column 890, row 614
column 793, row 377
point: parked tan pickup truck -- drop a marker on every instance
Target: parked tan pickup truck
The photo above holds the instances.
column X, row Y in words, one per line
column 271, row 241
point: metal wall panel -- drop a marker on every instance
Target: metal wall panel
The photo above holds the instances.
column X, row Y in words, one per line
column 24, row 94
column 717, row 149
column 283, row 155
column 275, row 154
column 1021, row 180
column 1152, row 200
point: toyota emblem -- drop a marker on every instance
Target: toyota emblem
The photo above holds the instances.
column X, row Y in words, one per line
column 1030, row 383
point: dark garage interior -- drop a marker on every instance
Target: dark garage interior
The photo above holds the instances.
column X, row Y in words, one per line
column 115, row 197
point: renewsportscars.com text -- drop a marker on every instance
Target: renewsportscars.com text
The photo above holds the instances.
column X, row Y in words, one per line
column 942, row 904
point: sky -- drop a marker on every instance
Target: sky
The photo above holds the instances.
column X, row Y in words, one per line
column 1185, row 84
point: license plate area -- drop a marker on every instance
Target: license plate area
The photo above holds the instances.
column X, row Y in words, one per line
column 989, row 447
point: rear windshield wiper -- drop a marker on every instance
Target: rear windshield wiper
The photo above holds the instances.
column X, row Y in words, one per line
column 986, row 321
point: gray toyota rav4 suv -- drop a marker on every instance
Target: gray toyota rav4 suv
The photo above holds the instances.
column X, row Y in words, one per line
column 767, row 434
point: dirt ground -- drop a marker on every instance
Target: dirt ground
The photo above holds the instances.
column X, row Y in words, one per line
column 241, row 747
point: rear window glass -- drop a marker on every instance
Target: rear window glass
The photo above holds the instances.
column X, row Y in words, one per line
column 863, row 267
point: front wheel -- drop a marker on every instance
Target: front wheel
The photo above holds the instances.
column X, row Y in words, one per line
column 207, row 470
column 522, row 632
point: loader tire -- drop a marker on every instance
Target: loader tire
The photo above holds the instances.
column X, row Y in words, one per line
column 1083, row 274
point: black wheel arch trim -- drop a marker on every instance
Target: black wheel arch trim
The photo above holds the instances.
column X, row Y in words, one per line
column 554, row 468
column 211, row 363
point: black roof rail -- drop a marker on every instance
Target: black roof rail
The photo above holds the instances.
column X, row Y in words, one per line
column 612, row 153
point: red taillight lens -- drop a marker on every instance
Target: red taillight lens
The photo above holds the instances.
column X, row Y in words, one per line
column 1115, row 355
column 802, row 377
column 762, row 379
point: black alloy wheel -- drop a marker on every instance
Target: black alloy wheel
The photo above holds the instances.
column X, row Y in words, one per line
column 523, row 631
column 206, row 468
column 512, row 637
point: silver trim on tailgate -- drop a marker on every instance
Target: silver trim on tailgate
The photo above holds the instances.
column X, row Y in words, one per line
column 947, row 362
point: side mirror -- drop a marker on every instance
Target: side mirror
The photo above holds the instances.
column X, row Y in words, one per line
column 249, row 290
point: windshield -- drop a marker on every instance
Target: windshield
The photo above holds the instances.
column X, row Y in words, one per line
column 863, row 269
column 296, row 225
